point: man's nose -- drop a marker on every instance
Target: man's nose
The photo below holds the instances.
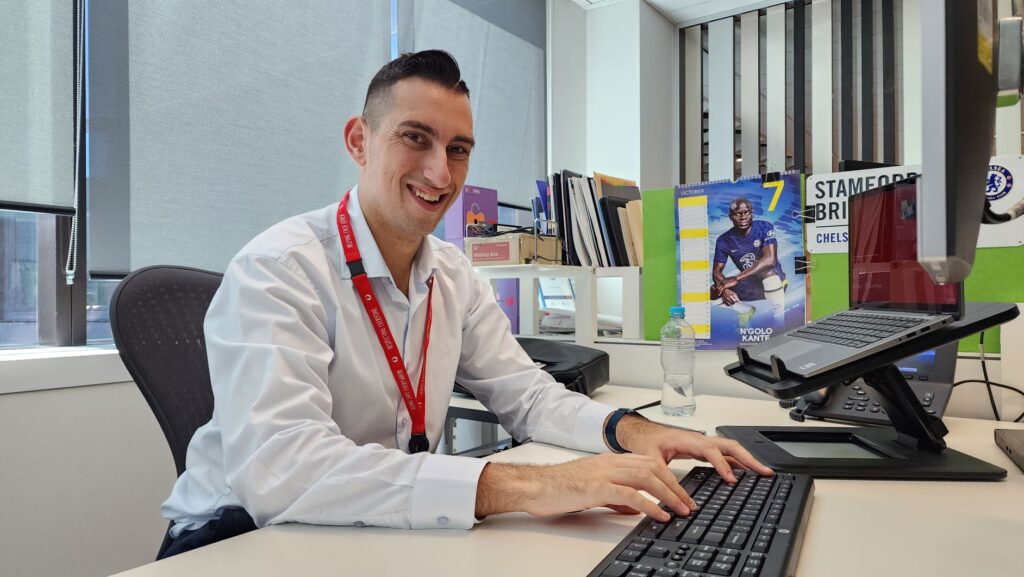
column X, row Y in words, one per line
column 435, row 168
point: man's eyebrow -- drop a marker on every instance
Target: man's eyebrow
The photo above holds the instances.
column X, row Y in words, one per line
column 430, row 130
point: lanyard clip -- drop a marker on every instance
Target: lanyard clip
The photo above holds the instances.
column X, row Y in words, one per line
column 418, row 443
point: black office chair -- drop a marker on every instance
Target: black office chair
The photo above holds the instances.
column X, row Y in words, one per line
column 156, row 316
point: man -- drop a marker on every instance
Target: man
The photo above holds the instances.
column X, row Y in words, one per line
column 752, row 247
column 314, row 423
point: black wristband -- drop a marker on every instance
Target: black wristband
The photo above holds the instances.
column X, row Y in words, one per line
column 613, row 422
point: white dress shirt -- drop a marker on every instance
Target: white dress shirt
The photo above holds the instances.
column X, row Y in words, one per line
column 308, row 424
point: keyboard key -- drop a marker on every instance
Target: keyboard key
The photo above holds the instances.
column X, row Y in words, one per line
column 736, row 539
column 652, row 530
column 720, row 569
column 616, row 569
column 666, row 572
column 630, row 555
column 694, row 533
column 657, row 551
column 697, row 564
column 675, row 530
column 713, row 538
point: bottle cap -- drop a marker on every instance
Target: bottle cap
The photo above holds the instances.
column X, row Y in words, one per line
column 677, row 310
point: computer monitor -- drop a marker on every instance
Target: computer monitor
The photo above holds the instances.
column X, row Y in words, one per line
column 958, row 85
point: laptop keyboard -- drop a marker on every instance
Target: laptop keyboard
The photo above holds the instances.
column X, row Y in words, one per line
column 856, row 329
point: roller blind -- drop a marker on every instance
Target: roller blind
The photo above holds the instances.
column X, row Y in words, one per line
column 36, row 103
column 231, row 120
column 500, row 50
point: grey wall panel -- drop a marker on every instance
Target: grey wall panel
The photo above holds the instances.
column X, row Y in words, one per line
column 750, row 93
column 775, row 88
column 911, row 82
column 693, row 120
column 821, row 86
column 1008, row 120
column 721, row 96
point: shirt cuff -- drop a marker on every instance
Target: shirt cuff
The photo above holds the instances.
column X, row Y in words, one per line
column 444, row 494
column 589, row 432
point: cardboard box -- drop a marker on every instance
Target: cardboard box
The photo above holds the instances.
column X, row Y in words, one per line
column 515, row 248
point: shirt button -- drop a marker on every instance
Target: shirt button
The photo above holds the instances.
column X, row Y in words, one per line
column 442, row 520
column 359, row 524
column 404, row 422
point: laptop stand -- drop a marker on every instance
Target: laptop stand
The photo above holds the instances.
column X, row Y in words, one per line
column 913, row 448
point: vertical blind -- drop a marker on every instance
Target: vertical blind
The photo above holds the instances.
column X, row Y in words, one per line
column 233, row 113
column 36, row 103
column 840, row 80
column 504, row 69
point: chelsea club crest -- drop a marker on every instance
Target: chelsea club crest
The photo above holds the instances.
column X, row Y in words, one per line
column 1000, row 182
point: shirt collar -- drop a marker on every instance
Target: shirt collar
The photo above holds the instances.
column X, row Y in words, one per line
column 424, row 263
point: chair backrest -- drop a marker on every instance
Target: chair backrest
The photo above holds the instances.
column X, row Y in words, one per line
column 156, row 316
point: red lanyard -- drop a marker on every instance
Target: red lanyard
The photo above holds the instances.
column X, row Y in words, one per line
column 414, row 402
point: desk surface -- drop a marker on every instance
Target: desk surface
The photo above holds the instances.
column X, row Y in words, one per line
column 612, row 395
column 856, row 528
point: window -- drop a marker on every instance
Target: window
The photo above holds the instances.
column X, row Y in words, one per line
column 19, row 279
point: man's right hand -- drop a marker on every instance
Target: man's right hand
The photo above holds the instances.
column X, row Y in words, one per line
column 607, row 480
column 729, row 297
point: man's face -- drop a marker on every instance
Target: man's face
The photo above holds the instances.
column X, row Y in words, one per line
column 742, row 216
column 416, row 159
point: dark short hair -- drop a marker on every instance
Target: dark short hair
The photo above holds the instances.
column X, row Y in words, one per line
column 736, row 205
column 436, row 66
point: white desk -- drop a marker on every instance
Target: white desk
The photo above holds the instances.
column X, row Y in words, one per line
column 856, row 528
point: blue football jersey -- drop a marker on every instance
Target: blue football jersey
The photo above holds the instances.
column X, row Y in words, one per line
column 744, row 251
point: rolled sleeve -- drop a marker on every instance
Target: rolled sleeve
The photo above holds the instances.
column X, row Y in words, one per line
column 444, row 495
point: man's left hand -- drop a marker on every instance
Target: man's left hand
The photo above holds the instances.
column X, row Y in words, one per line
column 640, row 436
column 727, row 283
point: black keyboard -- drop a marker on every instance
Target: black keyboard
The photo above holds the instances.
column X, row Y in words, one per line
column 856, row 329
column 753, row 528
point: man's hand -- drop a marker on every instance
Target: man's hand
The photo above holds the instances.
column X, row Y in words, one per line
column 729, row 297
column 608, row 480
column 727, row 283
column 640, row 436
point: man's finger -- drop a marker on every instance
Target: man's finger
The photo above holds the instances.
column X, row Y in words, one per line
column 747, row 461
column 714, row 456
column 669, row 478
column 644, row 479
column 626, row 496
column 623, row 509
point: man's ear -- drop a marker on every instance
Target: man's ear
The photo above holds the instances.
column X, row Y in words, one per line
column 356, row 137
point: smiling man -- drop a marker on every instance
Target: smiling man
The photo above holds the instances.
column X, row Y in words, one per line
column 336, row 337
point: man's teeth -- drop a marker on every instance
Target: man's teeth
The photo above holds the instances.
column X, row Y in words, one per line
column 426, row 196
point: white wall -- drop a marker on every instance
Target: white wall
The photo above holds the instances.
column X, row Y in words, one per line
column 84, row 470
column 613, row 89
column 631, row 91
column 659, row 95
column 567, row 86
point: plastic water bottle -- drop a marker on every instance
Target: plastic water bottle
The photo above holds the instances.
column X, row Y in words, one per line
column 677, row 362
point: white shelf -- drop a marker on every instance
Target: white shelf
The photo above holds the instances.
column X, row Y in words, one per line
column 585, row 282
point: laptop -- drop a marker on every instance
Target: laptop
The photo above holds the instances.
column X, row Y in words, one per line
column 892, row 298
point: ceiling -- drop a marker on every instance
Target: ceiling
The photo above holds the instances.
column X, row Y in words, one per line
column 688, row 11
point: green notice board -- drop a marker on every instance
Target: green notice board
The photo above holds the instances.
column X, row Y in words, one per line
column 998, row 276
column 659, row 276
